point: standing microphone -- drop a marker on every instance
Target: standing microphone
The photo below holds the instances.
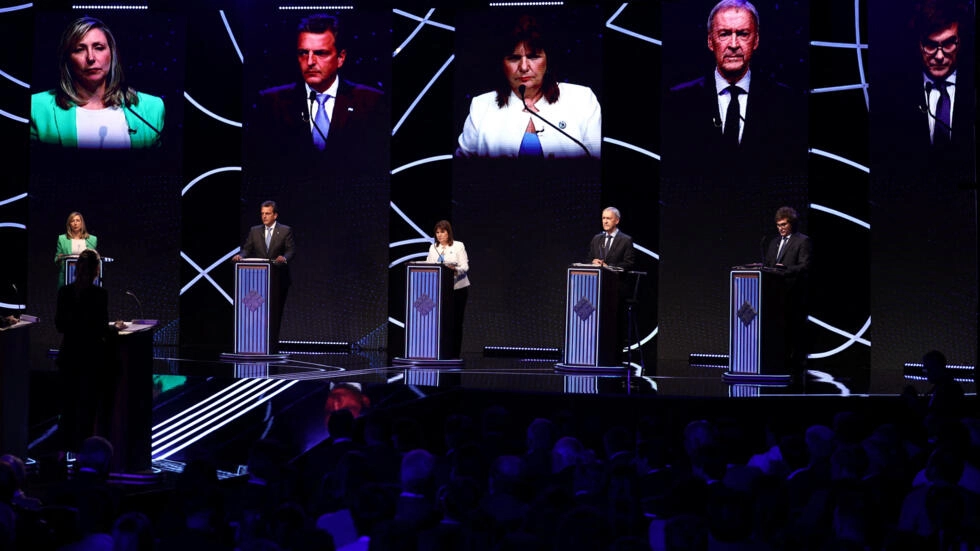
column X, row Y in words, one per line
column 138, row 303
column 521, row 89
column 103, row 132
column 318, row 131
column 762, row 246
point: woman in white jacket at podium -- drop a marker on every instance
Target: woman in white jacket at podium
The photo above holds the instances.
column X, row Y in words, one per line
column 452, row 253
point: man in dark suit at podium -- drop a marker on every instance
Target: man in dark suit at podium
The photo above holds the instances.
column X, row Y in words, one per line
column 272, row 241
column 612, row 247
column 791, row 254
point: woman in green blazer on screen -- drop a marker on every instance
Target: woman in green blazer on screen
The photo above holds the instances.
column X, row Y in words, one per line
column 75, row 240
column 92, row 107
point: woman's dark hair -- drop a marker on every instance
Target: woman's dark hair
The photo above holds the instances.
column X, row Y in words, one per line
column 528, row 33
column 444, row 225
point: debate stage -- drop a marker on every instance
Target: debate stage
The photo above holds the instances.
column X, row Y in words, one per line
column 219, row 408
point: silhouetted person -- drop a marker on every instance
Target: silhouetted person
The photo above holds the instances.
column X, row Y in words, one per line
column 946, row 395
column 82, row 316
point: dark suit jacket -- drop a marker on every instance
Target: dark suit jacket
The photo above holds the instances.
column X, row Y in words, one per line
column 905, row 149
column 358, row 136
column 620, row 254
column 281, row 245
column 774, row 136
column 796, row 256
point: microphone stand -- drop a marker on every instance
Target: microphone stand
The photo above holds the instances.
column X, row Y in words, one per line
column 521, row 89
column 139, row 304
column 632, row 331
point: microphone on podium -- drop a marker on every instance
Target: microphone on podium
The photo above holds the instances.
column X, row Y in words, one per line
column 139, row 304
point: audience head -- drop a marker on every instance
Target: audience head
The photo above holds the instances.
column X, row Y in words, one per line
column 418, row 472
column 567, row 452
column 133, row 532
column 17, row 468
column 95, row 455
column 819, row 443
column 540, row 435
column 266, row 459
column 87, row 267
column 340, row 424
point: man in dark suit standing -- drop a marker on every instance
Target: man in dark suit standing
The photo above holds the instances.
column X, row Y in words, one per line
column 734, row 122
column 274, row 242
column 612, row 247
column 791, row 254
column 323, row 114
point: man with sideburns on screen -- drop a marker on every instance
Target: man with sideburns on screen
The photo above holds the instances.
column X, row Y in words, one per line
column 323, row 113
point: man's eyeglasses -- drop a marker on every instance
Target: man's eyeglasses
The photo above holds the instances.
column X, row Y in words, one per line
column 948, row 46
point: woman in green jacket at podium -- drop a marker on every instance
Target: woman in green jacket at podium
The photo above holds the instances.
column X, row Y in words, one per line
column 75, row 240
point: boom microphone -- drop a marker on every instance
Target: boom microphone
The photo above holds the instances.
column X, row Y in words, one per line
column 521, row 90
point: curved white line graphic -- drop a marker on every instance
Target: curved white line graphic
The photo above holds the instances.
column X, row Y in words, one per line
column 857, row 51
column 632, row 147
column 14, row 117
column 845, row 45
column 838, row 88
column 425, row 240
column 851, row 338
column 12, row 199
column 609, row 23
column 206, row 174
column 414, row 32
column 646, row 251
column 840, row 159
column 10, row 306
column 16, row 8
column 847, row 217
column 414, row 164
column 202, row 109
column 407, row 220
column 13, row 225
column 422, row 93
column 14, row 79
column 231, row 35
column 427, row 21
column 407, row 258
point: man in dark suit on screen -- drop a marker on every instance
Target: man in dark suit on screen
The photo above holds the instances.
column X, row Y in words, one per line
column 791, row 254
column 734, row 122
column 323, row 116
column 930, row 115
column 274, row 242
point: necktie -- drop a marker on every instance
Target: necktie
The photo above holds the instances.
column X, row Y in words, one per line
column 779, row 251
column 941, row 130
column 322, row 122
column 268, row 237
column 732, row 116
column 608, row 242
